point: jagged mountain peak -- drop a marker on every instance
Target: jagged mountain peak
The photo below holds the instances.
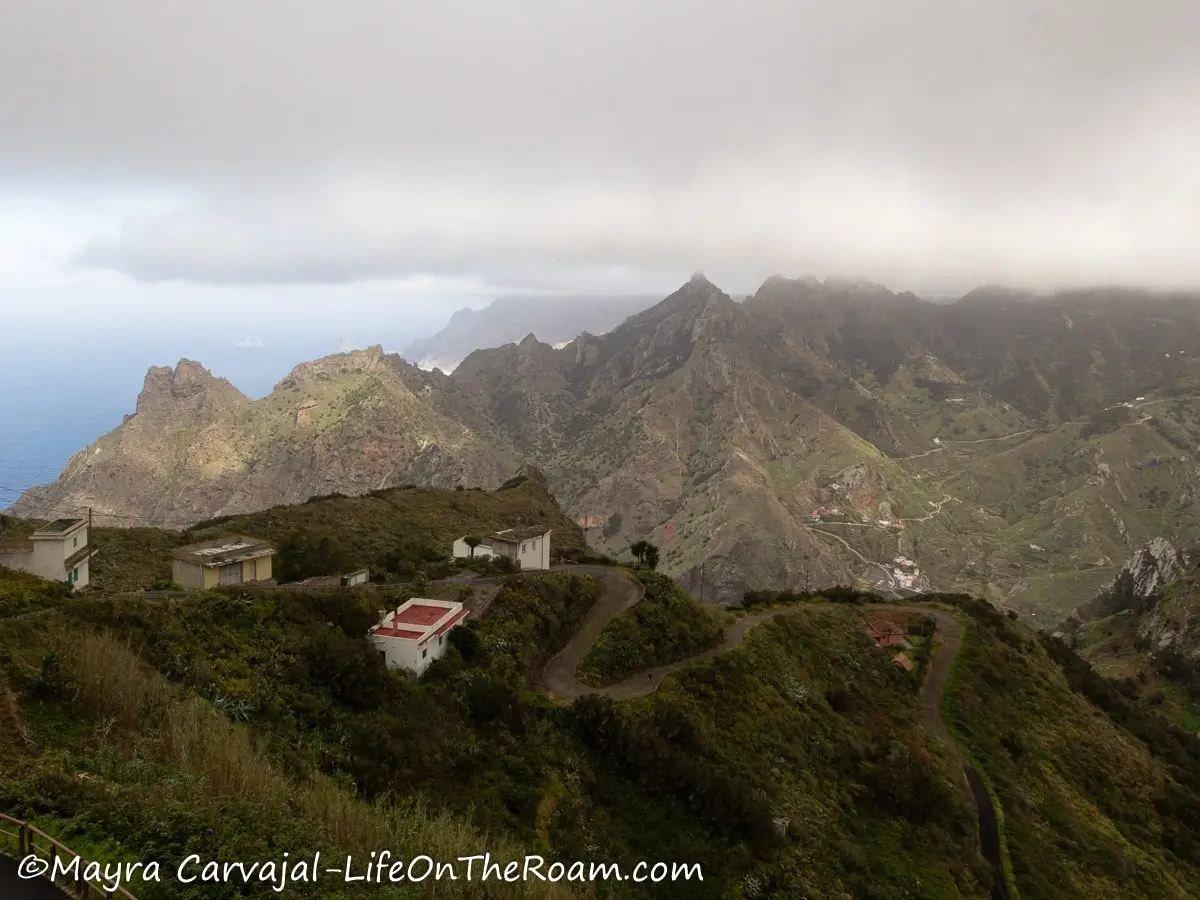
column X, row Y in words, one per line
column 189, row 383
column 1152, row 567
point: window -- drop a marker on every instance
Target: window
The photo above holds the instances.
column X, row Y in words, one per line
column 231, row 574
column 74, row 542
column 439, row 640
column 383, row 655
column 424, row 652
column 75, row 574
column 253, row 570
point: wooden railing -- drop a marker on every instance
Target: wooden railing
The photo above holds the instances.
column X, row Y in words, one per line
column 30, row 840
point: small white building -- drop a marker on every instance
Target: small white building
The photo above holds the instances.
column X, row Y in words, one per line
column 358, row 576
column 57, row 552
column 416, row 634
column 528, row 547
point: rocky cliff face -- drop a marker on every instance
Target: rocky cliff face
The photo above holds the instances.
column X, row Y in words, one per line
column 814, row 433
column 1152, row 568
column 350, row 423
column 1157, row 572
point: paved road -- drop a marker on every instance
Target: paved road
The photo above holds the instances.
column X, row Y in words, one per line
column 13, row 887
column 619, row 592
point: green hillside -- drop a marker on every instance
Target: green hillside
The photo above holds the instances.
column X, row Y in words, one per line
column 666, row 625
column 396, row 532
column 1100, row 798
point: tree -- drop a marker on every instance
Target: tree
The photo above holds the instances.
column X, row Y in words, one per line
column 638, row 549
column 651, row 556
column 472, row 541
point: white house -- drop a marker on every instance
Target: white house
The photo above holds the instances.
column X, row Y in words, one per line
column 57, row 552
column 416, row 634
column 528, row 547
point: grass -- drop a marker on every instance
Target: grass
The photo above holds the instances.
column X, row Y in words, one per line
column 666, row 625
column 21, row 593
column 950, row 692
column 143, row 741
column 397, row 532
column 1083, row 799
column 242, row 727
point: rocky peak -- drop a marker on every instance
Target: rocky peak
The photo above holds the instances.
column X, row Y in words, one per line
column 532, row 473
column 1152, row 568
column 372, row 357
column 187, row 386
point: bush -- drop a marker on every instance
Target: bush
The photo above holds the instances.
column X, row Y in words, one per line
column 665, row 626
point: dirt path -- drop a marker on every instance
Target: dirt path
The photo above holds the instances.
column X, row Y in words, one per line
column 619, row 592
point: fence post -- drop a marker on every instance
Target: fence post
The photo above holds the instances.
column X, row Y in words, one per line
column 21, row 840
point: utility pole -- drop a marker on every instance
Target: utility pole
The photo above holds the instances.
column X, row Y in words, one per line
column 701, row 582
column 89, row 509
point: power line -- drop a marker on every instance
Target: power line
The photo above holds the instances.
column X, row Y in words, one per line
column 65, row 508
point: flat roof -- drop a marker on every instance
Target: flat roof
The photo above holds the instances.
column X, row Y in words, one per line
column 516, row 535
column 225, row 550
column 58, row 526
column 421, row 619
column 422, row 614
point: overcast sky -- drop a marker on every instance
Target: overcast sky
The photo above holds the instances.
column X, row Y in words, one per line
column 452, row 147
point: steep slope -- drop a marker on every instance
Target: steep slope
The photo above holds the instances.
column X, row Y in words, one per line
column 396, row 532
column 1144, row 632
column 351, row 423
column 553, row 319
column 1081, row 773
column 819, row 432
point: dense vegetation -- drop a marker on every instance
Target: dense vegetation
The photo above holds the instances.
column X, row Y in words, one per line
column 666, row 625
column 1099, row 797
column 21, row 593
column 398, row 533
column 243, row 725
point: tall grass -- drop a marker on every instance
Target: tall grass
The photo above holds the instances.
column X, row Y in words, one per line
column 12, row 731
column 111, row 685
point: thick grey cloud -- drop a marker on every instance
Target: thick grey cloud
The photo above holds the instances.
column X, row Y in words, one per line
column 551, row 141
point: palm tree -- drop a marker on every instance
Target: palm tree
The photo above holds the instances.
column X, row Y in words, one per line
column 472, row 541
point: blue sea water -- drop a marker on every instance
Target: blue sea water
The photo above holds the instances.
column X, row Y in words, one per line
column 61, row 391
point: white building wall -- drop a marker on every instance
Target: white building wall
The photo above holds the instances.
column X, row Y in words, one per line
column 18, row 562
column 405, row 653
column 534, row 553
column 84, row 576
column 48, row 559
column 462, row 551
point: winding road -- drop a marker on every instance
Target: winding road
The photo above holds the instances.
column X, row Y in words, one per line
column 619, row 592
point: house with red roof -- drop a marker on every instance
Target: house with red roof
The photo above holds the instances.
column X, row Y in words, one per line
column 886, row 634
column 416, row 634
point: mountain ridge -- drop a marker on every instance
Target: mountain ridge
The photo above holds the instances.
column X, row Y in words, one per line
column 508, row 319
column 757, row 442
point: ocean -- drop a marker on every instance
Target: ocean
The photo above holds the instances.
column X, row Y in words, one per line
column 60, row 392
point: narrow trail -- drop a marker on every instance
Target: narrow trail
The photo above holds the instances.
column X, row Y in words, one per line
column 619, row 592
column 887, row 573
